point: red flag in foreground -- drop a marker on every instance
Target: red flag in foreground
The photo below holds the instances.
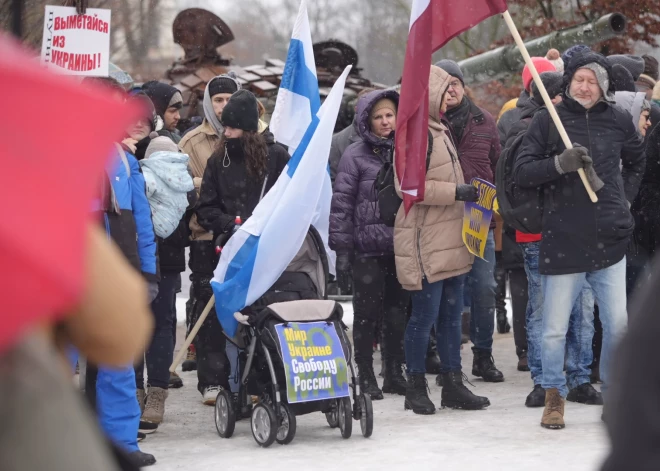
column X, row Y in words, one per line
column 432, row 24
column 55, row 140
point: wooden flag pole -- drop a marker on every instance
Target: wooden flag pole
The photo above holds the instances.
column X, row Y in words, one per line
column 546, row 98
column 193, row 333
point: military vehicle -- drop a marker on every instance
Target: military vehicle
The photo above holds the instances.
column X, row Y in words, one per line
column 202, row 34
column 507, row 60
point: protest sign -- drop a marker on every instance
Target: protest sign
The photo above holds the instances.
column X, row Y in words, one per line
column 477, row 217
column 314, row 361
column 76, row 44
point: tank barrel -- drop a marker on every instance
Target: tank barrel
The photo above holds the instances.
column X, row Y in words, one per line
column 507, row 60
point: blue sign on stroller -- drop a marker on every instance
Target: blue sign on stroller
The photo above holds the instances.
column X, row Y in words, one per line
column 314, row 361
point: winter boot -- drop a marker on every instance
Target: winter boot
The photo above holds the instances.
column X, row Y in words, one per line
column 585, row 394
column 190, row 363
column 483, row 366
column 154, row 410
column 417, row 397
column 394, row 382
column 368, row 383
column 553, row 414
column 141, row 459
column 522, row 362
column 175, row 381
column 536, row 398
column 457, row 396
column 432, row 363
column 141, row 396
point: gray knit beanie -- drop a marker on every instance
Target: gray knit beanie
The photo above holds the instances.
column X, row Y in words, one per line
column 452, row 68
column 160, row 144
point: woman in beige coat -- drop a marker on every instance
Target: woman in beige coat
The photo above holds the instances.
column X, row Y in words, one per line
column 431, row 262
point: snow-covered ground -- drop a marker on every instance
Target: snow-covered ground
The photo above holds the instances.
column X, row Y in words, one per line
column 506, row 436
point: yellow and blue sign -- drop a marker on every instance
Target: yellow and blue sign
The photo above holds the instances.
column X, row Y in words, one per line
column 477, row 217
column 314, row 361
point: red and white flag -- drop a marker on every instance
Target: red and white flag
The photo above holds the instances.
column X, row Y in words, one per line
column 432, row 24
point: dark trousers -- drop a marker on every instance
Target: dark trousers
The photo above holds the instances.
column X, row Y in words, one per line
column 161, row 349
column 500, row 288
column 376, row 292
column 519, row 297
column 212, row 362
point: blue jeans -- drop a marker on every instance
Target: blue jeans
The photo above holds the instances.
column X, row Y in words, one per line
column 561, row 293
column 579, row 351
column 441, row 301
column 481, row 285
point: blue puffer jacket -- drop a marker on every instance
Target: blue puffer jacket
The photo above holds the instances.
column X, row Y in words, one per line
column 128, row 215
column 355, row 224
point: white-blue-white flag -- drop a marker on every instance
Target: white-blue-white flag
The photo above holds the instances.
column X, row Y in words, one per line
column 262, row 248
column 298, row 101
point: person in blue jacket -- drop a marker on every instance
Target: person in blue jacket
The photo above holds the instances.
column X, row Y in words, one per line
column 125, row 212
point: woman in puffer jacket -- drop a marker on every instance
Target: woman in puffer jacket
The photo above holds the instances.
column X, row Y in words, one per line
column 364, row 245
column 431, row 262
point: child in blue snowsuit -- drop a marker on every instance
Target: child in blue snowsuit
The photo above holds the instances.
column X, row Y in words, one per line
column 126, row 215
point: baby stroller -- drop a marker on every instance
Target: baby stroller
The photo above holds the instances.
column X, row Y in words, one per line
column 299, row 296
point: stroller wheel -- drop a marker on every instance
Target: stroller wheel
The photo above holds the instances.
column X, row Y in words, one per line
column 331, row 416
column 287, row 428
column 264, row 424
column 366, row 414
column 225, row 415
column 345, row 416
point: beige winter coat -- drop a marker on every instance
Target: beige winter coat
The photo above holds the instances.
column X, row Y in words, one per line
column 428, row 241
column 199, row 144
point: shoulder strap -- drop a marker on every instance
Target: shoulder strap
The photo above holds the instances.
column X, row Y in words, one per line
column 124, row 159
column 554, row 139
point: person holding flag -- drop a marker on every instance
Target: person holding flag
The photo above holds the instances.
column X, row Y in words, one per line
column 240, row 172
column 432, row 261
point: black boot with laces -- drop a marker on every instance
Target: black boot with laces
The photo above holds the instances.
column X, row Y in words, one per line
column 483, row 366
column 457, row 396
column 394, row 382
column 417, row 397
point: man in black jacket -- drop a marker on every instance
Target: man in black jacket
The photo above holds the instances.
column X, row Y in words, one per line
column 582, row 240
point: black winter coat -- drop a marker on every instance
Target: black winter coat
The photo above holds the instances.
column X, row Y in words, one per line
column 646, row 208
column 578, row 235
column 172, row 251
column 228, row 191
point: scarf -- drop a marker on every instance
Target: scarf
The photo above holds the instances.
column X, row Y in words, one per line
column 458, row 118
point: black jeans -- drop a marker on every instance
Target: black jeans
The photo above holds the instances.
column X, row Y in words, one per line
column 500, row 289
column 161, row 349
column 212, row 362
column 519, row 297
column 377, row 292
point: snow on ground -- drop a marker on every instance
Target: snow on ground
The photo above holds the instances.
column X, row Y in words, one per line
column 505, row 436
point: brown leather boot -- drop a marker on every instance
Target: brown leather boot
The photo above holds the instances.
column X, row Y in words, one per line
column 553, row 414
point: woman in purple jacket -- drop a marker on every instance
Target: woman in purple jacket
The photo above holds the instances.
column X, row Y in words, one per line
column 365, row 246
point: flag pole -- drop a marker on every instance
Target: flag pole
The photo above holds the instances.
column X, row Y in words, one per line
column 546, row 99
column 192, row 334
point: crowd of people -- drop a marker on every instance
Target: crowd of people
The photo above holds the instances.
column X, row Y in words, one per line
column 416, row 289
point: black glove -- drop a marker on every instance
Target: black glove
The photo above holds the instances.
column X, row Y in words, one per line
column 571, row 160
column 467, row 193
column 345, row 272
column 592, row 177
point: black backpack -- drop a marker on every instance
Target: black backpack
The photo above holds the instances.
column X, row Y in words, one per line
column 521, row 208
column 388, row 200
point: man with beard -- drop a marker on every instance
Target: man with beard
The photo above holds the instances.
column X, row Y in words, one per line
column 582, row 241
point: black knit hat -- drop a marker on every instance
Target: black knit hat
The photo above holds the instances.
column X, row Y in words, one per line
column 163, row 96
column 241, row 112
column 222, row 84
column 622, row 79
column 552, row 81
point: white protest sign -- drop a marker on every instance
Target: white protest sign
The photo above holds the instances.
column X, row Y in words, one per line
column 76, row 44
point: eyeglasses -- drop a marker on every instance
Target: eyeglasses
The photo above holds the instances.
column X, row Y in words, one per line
column 456, row 84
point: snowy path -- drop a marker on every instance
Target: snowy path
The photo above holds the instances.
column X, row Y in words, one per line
column 506, row 436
